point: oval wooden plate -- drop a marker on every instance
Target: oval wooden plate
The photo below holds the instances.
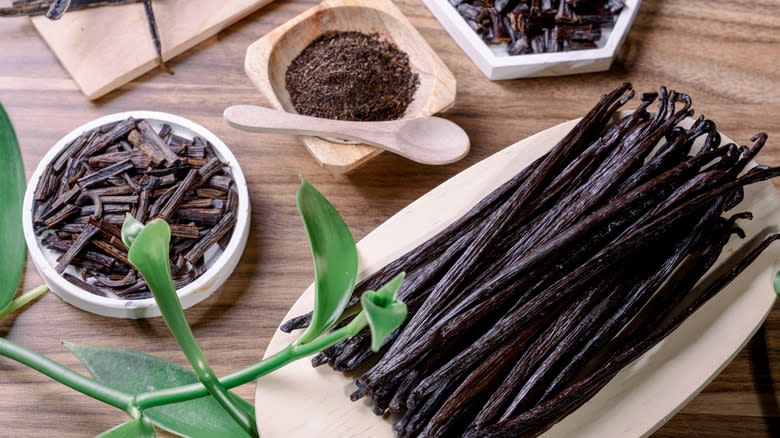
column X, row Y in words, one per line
column 301, row 401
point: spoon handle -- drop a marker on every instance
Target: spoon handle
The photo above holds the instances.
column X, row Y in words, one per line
column 427, row 140
column 253, row 118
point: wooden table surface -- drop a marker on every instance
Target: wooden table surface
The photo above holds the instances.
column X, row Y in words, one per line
column 726, row 54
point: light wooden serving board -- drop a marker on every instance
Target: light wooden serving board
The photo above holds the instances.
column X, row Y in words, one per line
column 106, row 47
column 301, row 401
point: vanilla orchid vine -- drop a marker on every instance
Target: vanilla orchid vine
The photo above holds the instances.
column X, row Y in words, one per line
column 155, row 392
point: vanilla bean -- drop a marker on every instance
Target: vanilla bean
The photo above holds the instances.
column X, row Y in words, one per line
column 198, row 203
column 110, row 191
column 143, row 206
column 173, row 202
column 206, row 216
column 210, row 168
column 151, row 136
column 210, row 193
column 108, row 282
column 84, row 285
column 196, row 151
column 221, row 229
column 64, row 213
column 143, row 144
column 165, row 131
column 105, row 173
column 73, row 149
column 161, row 200
column 57, row 9
column 107, row 230
column 185, row 231
column 77, row 246
column 220, row 182
column 155, row 36
column 100, row 142
column 60, row 201
column 140, row 160
column 110, row 249
column 47, row 184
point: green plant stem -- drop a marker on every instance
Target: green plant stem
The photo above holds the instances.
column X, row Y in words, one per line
column 149, row 253
column 183, row 334
column 289, row 354
column 66, row 376
column 133, row 405
column 23, row 300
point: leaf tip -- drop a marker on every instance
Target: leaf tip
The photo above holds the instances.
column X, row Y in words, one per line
column 776, row 283
column 384, row 311
column 131, row 228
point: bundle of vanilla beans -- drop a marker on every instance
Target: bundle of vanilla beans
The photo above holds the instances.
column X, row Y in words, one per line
column 55, row 9
column 524, row 308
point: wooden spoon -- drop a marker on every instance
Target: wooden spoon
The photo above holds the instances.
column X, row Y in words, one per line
column 427, row 140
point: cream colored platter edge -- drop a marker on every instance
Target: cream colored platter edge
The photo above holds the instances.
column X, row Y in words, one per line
column 301, row 401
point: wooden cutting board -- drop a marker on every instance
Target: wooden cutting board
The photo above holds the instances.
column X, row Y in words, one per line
column 107, row 47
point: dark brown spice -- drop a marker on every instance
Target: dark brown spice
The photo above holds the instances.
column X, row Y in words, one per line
column 82, row 199
column 351, row 76
column 528, row 26
column 84, row 285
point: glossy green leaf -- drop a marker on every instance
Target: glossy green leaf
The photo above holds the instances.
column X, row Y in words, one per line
column 135, row 372
column 149, row 253
column 383, row 311
column 335, row 259
column 12, row 184
column 776, row 283
column 138, row 428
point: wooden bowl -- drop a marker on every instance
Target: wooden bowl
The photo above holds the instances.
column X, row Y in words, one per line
column 267, row 60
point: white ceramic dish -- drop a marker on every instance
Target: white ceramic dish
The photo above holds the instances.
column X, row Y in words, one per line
column 496, row 64
column 641, row 398
column 220, row 263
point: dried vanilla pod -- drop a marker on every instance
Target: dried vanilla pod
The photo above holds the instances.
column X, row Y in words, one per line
column 533, row 26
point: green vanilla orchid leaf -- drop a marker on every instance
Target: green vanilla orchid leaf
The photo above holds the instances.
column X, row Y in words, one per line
column 134, row 373
column 335, row 259
column 131, row 228
column 383, row 311
column 138, row 428
column 12, row 184
column 149, row 253
column 776, row 283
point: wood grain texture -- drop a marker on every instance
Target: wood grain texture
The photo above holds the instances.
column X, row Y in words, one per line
column 724, row 53
column 268, row 58
column 103, row 48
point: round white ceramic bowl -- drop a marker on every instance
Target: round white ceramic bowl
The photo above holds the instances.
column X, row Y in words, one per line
column 220, row 264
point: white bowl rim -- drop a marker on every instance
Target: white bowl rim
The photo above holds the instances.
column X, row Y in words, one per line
column 189, row 295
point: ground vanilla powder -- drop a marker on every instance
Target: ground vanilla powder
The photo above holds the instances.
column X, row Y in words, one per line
column 351, row 76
